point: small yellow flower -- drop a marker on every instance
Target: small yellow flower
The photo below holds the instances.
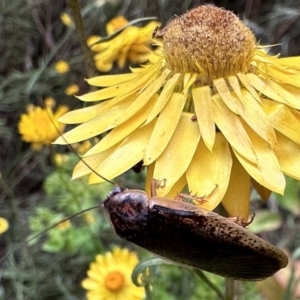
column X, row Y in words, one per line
column 72, row 89
column 211, row 110
column 130, row 45
column 66, row 20
column 109, row 277
column 81, row 148
column 3, row 225
column 64, row 225
column 62, row 67
column 41, row 127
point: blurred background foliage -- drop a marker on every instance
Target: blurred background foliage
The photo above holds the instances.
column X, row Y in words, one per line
column 35, row 189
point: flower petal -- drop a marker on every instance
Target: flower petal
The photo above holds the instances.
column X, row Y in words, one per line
column 288, row 156
column 249, row 87
column 164, row 128
column 143, row 98
column 237, row 198
column 92, row 127
column 252, row 113
column 181, row 148
column 232, row 128
column 90, row 163
column 204, row 112
column 127, row 154
column 123, row 89
column 209, row 172
column 267, row 171
column 283, row 119
column 164, row 96
column 272, row 90
column 122, row 131
column 110, row 80
column 263, row 192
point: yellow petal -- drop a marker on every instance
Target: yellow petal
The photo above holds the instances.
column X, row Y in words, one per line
column 251, row 90
column 272, row 90
column 225, row 94
column 283, row 119
column 177, row 187
column 164, row 96
column 267, row 171
column 164, row 128
column 93, row 127
column 289, row 156
column 252, row 113
column 175, row 159
column 263, row 192
column 110, row 80
column 209, row 172
column 232, row 128
column 124, row 89
column 143, row 98
column 82, row 115
column 204, row 112
column 127, row 154
column 148, row 184
column 188, row 80
column 237, row 198
column 122, row 131
column 90, row 163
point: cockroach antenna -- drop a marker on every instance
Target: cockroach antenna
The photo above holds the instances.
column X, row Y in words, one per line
column 73, row 150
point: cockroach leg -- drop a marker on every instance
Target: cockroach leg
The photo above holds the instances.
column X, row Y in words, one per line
column 157, row 184
column 241, row 221
column 183, row 197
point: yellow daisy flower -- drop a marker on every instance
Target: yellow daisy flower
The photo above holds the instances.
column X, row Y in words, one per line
column 41, row 127
column 212, row 110
column 130, row 45
column 3, row 225
column 72, row 89
column 109, row 277
column 62, row 67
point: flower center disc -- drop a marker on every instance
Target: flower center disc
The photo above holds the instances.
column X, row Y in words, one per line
column 114, row 281
column 210, row 41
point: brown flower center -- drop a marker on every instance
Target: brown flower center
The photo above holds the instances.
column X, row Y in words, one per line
column 114, row 281
column 210, row 41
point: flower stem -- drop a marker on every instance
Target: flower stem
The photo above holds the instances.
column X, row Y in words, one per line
column 88, row 58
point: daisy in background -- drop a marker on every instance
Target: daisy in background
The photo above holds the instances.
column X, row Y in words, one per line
column 40, row 126
column 132, row 45
column 109, row 277
column 212, row 110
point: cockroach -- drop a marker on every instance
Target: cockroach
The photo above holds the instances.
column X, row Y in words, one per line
column 192, row 236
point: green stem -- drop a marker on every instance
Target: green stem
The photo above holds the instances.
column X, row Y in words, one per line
column 87, row 54
column 148, row 292
column 202, row 276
